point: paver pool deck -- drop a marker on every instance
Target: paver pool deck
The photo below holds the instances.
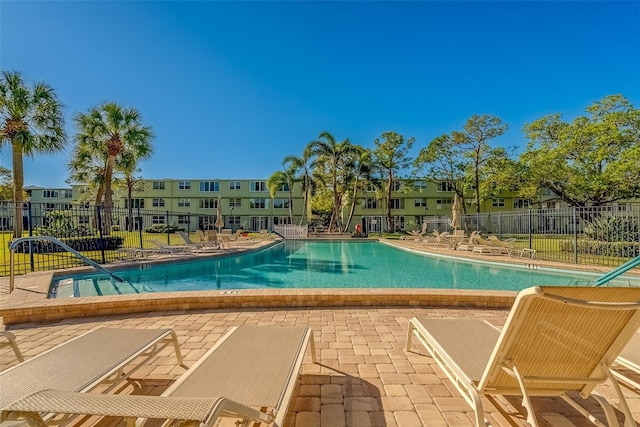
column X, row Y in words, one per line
column 364, row 376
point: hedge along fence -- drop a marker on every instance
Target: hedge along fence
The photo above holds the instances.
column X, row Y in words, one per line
column 600, row 248
column 80, row 244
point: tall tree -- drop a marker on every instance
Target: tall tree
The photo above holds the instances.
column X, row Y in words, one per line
column 390, row 156
column 128, row 165
column 592, row 160
column 443, row 161
column 330, row 156
column 478, row 131
column 360, row 175
column 6, row 184
column 302, row 166
column 32, row 122
column 110, row 130
column 285, row 178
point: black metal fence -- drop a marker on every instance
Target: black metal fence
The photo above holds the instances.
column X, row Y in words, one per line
column 94, row 231
column 599, row 236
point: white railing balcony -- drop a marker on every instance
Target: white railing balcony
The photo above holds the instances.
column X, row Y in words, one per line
column 290, row 231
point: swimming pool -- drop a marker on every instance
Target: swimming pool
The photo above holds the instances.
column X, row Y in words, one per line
column 318, row 264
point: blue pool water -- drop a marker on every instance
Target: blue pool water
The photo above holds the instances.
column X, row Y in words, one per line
column 313, row 264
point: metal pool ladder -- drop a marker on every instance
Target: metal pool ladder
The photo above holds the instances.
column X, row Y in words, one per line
column 14, row 245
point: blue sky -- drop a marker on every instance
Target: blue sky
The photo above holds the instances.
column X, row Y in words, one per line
column 231, row 88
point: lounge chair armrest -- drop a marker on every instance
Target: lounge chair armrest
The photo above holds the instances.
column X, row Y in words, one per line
column 203, row 410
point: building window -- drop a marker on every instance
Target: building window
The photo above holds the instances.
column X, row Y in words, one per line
column 445, row 186
column 284, row 187
column 233, row 221
column 49, row 194
column 158, row 219
column 258, row 203
column 184, row 185
column 50, row 206
column 258, row 186
column 158, row 203
column 420, row 203
column 421, row 185
column 521, row 204
column 184, row 203
column 208, row 203
column 208, row 186
column 396, row 203
column 370, row 203
column 158, row 185
column 67, row 194
column 83, row 219
column 442, row 203
column 551, row 205
column 183, row 219
column 235, row 185
column 235, row 203
column 396, row 185
column 64, row 206
column 281, row 203
column 135, row 203
column 371, row 186
column 497, row 203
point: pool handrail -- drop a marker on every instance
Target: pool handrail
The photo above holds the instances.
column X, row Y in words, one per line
column 14, row 245
column 634, row 262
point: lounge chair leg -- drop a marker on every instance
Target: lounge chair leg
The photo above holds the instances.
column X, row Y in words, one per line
column 176, row 347
column 628, row 418
column 526, row 402
column 312, row 341
column 410, row 330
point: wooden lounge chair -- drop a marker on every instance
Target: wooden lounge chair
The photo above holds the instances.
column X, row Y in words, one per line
column 84, row 362
column 555, row 340
column 249, row 367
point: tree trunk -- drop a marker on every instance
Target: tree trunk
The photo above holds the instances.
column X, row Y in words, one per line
column 18, row 187
column 108, row 196
column 389, row 221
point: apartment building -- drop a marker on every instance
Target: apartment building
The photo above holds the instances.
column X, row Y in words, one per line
column 246, row 203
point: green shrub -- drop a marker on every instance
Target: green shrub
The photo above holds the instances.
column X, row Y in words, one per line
column 597, row 247
column 60, row 224
column 163, row 228
column 80, row 244
column 612, row 229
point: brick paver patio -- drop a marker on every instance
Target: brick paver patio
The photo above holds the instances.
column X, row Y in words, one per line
column 365, row 378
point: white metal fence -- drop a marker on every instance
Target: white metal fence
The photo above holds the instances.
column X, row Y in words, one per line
column 290, row 231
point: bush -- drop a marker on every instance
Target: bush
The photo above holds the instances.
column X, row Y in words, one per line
column 612, row 229
column 163, row 228
column 80, row 244
column 597, row 247
column 60, row 224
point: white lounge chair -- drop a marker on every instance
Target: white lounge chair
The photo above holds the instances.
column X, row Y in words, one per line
column 201, row 245
column 249, row 367
column 84, row 362
column 10, row 341
column 629, row 359
column 172, row 249
column 556, row 340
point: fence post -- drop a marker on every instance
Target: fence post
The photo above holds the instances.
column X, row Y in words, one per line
column 140, row 226
column 100, row 236
column 30, row 228
column 530, row 227
column 575, row 236
column 168, row 229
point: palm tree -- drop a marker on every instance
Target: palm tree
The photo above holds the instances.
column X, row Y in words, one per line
column 330, row 156
column 279, row 179
column 361, row 171
column 303, row 166
column 128, row 165
column 31, row 120
column 108, row 131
